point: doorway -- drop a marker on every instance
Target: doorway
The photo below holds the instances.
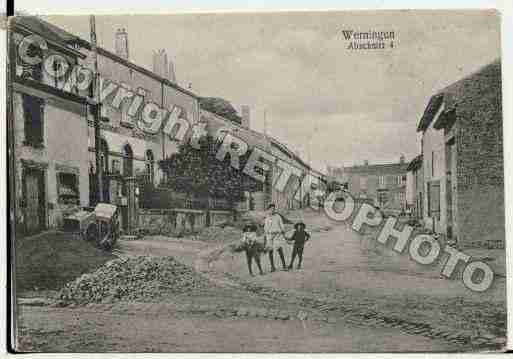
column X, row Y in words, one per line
column 450, row 156
column 34, row 210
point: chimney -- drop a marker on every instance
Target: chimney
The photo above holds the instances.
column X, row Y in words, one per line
column 244, row 109
column 160, row 63
column 401, row 159
column 121, row 43
column 366, row 162
column 162, row 66
column 171, row 72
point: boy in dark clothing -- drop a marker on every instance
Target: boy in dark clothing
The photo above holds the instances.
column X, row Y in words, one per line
column 249, row 239
column 299, row 238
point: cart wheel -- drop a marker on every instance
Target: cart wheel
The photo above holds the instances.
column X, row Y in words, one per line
column 91, row 233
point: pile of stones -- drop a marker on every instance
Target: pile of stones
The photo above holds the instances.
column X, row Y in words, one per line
column 137, row 279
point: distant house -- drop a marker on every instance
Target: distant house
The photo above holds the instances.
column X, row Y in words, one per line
column 462, row 160
column 383, row 185
column 415, row 187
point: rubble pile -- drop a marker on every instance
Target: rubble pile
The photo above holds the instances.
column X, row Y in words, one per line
column 214, row 233
column 141, row 279
column 154, row 229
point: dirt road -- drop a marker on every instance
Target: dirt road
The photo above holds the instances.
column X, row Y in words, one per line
column 342, row 301
column 159, row 328
column 358, row 273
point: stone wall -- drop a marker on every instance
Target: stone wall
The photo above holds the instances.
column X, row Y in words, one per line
column 175, row 222
column 480, row 167
column 218, row 217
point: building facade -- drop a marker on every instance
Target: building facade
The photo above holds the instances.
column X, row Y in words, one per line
column 49, row 133
column 128, row 151
column 383, row 185
column 415, row 187
column 463, row 160
column 53, row 125
column 55, row 134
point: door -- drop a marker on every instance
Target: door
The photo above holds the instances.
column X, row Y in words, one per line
column 34, row 200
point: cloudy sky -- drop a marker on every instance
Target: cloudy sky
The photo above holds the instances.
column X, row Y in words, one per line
column 350, row 105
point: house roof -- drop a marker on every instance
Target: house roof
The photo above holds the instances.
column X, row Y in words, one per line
column 43, row 28
column 288, row 152
column 258, row 139
column 58, row 35
column 387, row 168
column 142, row 70
column 415, row 164
column 473, row 86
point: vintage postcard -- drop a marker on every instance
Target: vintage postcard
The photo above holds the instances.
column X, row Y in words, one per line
column 308, row 181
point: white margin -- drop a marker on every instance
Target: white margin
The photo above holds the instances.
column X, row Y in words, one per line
column 102, row 7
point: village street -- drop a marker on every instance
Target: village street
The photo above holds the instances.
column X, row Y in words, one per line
column 348, row 285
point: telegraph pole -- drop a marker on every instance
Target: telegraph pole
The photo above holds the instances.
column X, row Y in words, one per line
column 96, row 111
column 268, row 176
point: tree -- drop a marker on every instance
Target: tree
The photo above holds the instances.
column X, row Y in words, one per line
column 220, row 107
column 199, row 172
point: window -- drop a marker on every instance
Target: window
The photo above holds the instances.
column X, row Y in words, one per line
column 103, row 113
column 67, row 188
column 115, row 167
column 382, row 198
column 125, row 119
column 381, row 181
column 33, row 109
column 363, row 183
column 150, row 162
column 400, row 180
column 57, row 68
column 434, row 199
column 26, row 70
column 128, row 168
column 402, row 200
column 104, row 156
column 432, row 164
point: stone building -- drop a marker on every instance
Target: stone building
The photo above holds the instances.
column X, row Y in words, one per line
column 48, row 132
column 463, row 163
column 128, row 150
column 383, row 185
column 54, row 125
column 54, row 132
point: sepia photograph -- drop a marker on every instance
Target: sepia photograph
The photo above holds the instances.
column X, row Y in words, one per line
column 256, row 182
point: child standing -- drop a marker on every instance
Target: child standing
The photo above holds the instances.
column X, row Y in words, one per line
column 249, row 239
column 299, row 238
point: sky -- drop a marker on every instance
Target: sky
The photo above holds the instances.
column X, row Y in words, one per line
column 346, row 106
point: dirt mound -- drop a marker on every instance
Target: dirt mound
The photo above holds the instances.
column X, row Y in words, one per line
column 49, row 260
column 142, row 279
